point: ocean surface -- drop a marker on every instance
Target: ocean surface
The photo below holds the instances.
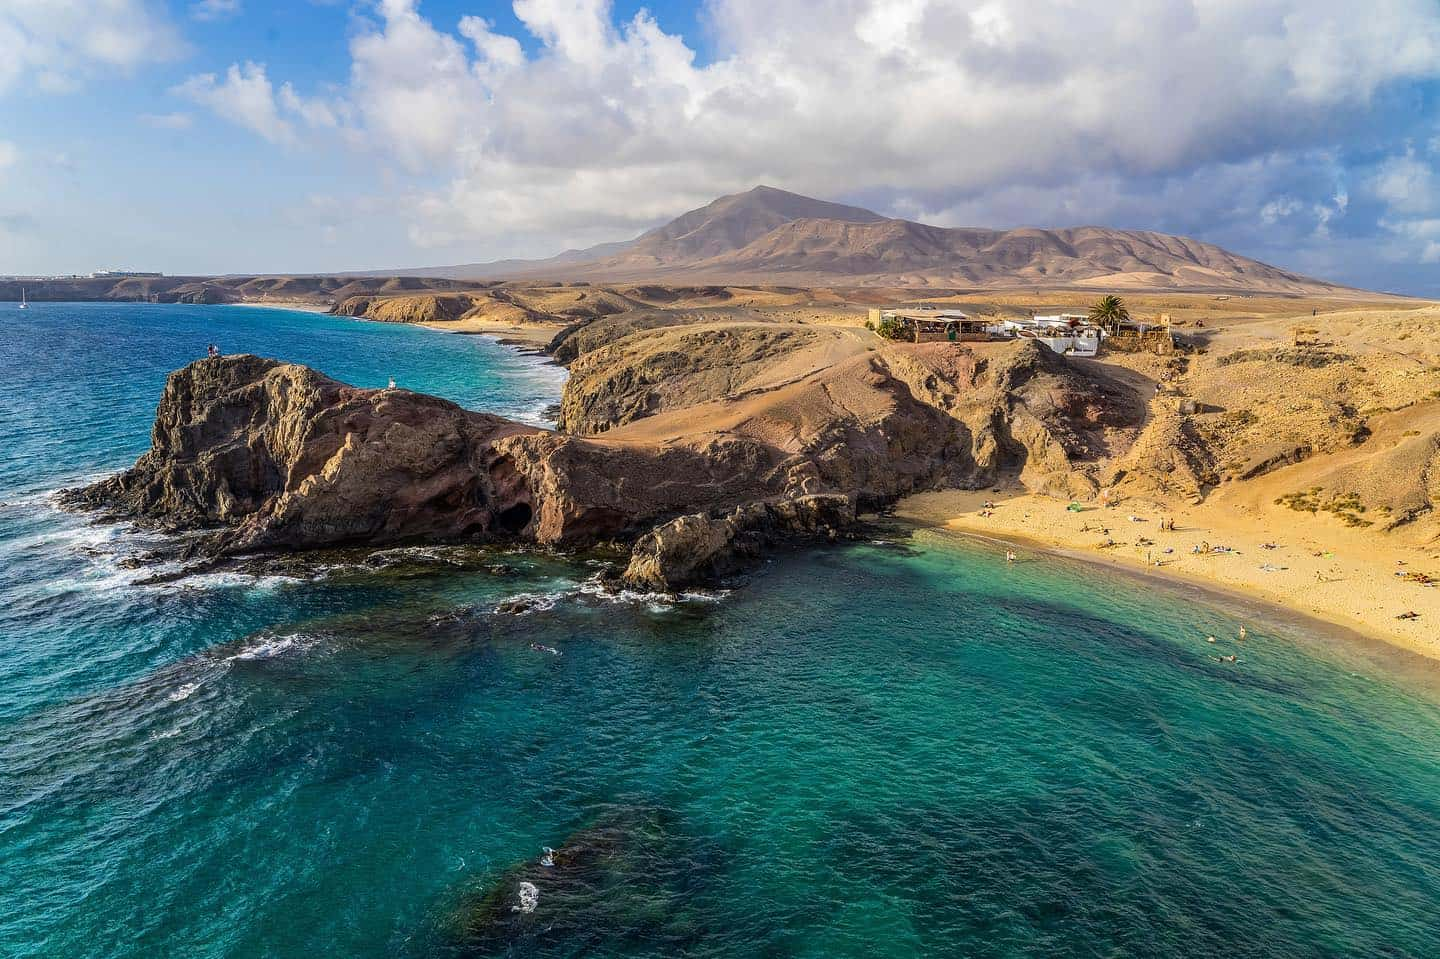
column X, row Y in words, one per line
column 900, row 747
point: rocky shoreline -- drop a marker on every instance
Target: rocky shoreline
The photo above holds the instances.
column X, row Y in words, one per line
column 254, row 456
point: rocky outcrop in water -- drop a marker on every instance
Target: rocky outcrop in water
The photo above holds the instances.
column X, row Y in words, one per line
column 704, row 547
column 281, row 456
column 277, row 456
column 268, row 456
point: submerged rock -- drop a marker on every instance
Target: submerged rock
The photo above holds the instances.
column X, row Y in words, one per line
column 629, row 878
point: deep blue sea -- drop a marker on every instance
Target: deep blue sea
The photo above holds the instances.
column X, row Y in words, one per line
column 900, row 747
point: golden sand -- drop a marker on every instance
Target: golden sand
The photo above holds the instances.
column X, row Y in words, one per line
column 1312, row 565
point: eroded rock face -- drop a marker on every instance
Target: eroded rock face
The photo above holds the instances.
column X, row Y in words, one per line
column 706, row 547
column 278, row 456
column 271, row 456
column 414, row 308
column 881, row 424
column 582, row 491
column 625, row 380
column 282, row 456
column 1026, row 411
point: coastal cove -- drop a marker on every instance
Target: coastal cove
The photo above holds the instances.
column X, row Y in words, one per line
column 1327, row 574
column 903, row 743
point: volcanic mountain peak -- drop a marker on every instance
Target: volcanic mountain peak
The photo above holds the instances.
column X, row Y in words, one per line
column 734, row 221
column 766, row 234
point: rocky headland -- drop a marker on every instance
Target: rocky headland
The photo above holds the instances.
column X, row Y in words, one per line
column 702, row 445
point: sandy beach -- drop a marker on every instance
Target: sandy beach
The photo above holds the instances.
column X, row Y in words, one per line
column 1311, row 565
column 527, row 337
column 302, row 306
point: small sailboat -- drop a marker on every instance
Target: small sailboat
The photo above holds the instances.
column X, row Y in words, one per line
column 24, row 304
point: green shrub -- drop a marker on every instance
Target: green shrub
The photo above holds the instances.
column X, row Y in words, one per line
column 893, row 328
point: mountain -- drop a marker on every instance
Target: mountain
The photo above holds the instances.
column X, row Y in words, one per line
column 767, row 235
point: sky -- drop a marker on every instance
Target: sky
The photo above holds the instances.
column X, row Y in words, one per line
column 285, row 136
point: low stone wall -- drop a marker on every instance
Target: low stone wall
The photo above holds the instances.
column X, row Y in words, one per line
column 1158, row 341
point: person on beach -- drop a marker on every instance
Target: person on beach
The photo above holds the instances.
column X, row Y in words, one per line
column 212, row 352
column 392, row 383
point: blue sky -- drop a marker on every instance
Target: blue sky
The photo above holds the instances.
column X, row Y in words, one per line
column 206, row 136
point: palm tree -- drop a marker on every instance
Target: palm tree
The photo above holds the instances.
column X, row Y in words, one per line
column 1109, row 312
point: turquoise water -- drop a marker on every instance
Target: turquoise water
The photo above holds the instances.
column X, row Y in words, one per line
column 894, row 748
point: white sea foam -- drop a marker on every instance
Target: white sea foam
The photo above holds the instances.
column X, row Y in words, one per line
column 272, row 646
column 183, row 692
column 596, row 590
column 529, row 896
column 24, row 501
column 232, row 579
column 523, row 603
column 593, row 590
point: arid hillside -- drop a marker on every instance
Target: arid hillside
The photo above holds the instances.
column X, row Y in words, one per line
column 768, row 236
column 701, row 422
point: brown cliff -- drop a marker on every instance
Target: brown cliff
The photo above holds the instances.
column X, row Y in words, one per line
column 270, row 456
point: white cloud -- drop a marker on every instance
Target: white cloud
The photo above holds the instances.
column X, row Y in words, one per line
column 167, row 121
column 244, row 97
column 9, row 155
column 207, row 10
column 1408, row 184
column 1279, row 208
column 1220, row 115
column 607, row 127
column 1409, row 187
column 57, row 44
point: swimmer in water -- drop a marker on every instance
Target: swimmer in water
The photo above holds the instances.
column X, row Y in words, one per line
column 1243, row 634
column 1209, row 639
column 1009, row 556
column 539, row 648
column 549, row 858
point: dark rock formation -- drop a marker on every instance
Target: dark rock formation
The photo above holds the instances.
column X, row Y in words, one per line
column 284, row 457
column 268, row 456
column 278, row 456
column 705, row 547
